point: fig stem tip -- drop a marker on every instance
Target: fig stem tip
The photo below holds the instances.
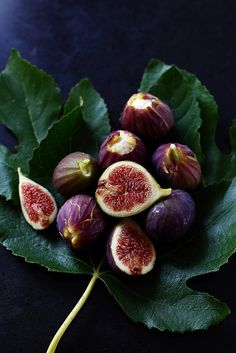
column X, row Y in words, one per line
column 174, row 153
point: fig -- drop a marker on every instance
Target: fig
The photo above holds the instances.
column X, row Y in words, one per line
column 129, row 250
column 38, row 205
column 177, row 166
column 74, row 174
column 121, row 145
column 168, row 221
column 147, row 116
column 126, row 188
column 80, row 221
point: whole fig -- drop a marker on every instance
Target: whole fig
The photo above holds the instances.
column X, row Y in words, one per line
column 177, row 166
column 74, row 174
column 121, row 145
column 168, row 221
column 147, row 116
column 80, row 221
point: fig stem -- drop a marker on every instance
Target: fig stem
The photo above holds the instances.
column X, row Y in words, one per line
column 173, row 153
column 56, row 339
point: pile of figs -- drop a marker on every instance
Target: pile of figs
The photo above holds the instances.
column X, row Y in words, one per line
column 140, row 212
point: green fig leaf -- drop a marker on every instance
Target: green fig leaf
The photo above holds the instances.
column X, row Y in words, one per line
column 43, row 141
column 217, row 166
column 95, row 112
column 162, row 299
column 47, row 248
column 30, row 103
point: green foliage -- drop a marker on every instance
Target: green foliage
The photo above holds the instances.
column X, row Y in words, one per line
column 94, row 109
column 30, row 107
column 30, row 103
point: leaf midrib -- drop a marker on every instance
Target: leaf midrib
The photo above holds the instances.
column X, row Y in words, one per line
column 30, row 114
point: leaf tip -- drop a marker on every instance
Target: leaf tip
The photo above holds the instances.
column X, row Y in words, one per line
column 15, row 52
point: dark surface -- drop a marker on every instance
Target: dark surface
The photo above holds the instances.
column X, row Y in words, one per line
column 111, row 43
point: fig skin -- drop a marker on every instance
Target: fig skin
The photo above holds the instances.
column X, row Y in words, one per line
column 121, row 145
column 147, row 116
column 176, row 165
column 74, row 174
column 81, row 222
column 168, row 221
column 37, row 203
column 126, row 188
column 134, row 255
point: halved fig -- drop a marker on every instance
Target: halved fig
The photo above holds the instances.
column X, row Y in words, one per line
column 129, row 250
column 38, row 205
column 126, row 188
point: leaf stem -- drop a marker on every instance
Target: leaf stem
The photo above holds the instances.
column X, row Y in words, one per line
column 56, row 339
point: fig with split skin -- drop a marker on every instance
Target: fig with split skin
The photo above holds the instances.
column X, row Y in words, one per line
column 177, row 166
column 169, row 221
column 126, row 188
column 38, row 205
column 80, row 221
column 121, row 145
column 74, row 174
column 129, row 250
column 147, row 116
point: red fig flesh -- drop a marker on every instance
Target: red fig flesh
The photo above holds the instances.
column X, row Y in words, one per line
column 38, row 205
column 126, row 188
column 129, row 250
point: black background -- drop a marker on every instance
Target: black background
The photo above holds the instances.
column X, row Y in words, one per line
column 111, row 42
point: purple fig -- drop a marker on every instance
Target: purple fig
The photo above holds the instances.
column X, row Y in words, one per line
column 177, row 166
column 80, row 221
column 168, row 221
column 75, row 173
column 129, row 250
column 121, row 145
column 38, row 205
column 147, row 116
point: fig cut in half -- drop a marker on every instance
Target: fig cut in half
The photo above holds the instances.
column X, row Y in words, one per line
column 126, row 188
column 129, row 250
column 38, row 205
